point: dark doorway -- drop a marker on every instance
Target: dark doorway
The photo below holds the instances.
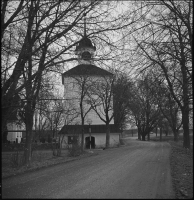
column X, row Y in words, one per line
column 87, row 142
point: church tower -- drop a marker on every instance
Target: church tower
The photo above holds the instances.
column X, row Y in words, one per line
column 85, row 49
column 79, row 86
column 85, row 73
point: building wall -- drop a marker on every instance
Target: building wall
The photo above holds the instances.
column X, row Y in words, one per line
column 72, row 96
column 13, row 135
column 100, row 139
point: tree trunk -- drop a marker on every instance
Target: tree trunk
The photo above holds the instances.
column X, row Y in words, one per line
column 143, row 136
column 82, row 139
column 107, row 136
column 166, row 132
column 156, row 131
column 139, row 134
column 29, row 112
column 185, row 107
column 175, row 135
column 4, row 123
column 148, row 136
column 160, row 134
column 4, row 135
column 185, row 119
column 28, row 144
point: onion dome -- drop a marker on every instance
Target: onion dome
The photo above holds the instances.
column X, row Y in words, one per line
column 85, row 42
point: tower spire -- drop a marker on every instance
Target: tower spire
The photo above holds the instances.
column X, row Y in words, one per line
column 84, row 24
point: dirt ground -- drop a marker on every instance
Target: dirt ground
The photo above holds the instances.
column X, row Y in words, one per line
column 139, row 169
column 181, row 165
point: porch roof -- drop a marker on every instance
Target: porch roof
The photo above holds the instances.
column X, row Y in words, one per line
column 77, row 129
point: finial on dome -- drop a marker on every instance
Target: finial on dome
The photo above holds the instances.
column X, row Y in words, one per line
column 85, row 42
column 84, row 24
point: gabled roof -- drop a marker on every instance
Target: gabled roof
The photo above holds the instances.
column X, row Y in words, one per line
column 86, row 69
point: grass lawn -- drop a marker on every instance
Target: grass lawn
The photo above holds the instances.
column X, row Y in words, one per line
column 40, row 158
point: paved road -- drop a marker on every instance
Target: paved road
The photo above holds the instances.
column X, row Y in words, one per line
column 137, row 170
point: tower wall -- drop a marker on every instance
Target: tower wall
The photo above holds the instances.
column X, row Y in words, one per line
column 72, row 94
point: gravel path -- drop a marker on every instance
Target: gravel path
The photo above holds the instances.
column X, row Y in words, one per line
column 138, row 170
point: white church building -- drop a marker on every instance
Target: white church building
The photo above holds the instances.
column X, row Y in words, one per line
column 79, row 82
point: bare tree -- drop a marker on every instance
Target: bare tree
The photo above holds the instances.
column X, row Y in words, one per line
column 169, row 108
column 64, row 115
column 164, row 42
column 143, row 106
column 39, row 47
column 122, row 87
column 38, row 38
column 42, row 36
column 101, row 100
column 77, row 93
column 7, row 20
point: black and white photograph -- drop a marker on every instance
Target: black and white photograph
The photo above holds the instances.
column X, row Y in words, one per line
column 97, row 99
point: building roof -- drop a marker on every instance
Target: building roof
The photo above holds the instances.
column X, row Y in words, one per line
column 77, row 129
column 86, row 69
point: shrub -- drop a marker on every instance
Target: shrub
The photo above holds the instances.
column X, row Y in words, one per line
column 49, row 139
column 37, row 156
column 13, row 147
column 74, row 149
column 42, row 140
column 56, row 149
column 121, row 142
column 16, row 160
column 43, row 146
